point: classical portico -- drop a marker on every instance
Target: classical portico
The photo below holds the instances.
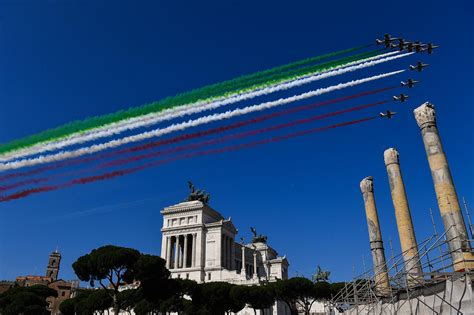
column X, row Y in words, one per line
column 199, row 244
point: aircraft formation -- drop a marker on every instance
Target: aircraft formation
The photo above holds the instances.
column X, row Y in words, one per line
column 410, row 46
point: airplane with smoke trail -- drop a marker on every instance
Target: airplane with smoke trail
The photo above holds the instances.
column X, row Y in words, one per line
column 409, row 83
column 402, row 98
column 419, row 66
column 388, row 114
column 387, row 40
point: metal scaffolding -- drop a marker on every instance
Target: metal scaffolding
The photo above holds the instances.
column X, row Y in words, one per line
column 360, row 297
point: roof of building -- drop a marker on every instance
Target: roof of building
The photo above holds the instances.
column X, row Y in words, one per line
column 190, row 206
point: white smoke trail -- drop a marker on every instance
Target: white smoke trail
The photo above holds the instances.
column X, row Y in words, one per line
column 184, row 125
column 154, row 118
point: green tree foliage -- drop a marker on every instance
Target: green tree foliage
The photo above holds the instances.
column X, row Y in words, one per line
column 77, row 305
column 238, row 297
column 213, row 297
column 26, row 300
column 260, row 297
column 301, row 292
column 144, row 307
column 113, row 266
column 67, row 307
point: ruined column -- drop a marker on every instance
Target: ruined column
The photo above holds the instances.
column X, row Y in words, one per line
column 406, row 231
column 382, row 285
column 448, row 202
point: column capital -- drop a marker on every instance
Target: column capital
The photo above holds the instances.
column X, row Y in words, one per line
column 391, row 156
column 425, row 115
column 367, row 185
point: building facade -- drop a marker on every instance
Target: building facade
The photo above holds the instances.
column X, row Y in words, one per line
column 65, row 289
column 198, row 243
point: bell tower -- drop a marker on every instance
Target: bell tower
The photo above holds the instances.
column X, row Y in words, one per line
column 53, row 265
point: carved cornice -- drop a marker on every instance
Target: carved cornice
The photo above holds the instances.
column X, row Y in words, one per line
column 188, row 206
column 425, row 115
column 181, row 230
column 391, row 156
column 367, row 184
column 183, row 206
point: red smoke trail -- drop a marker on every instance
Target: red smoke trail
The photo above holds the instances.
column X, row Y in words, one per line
column 241, row 135
column 191, row 135
column 111, row 175
column 236, row 136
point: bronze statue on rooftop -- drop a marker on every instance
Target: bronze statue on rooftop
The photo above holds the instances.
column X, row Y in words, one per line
column 197, row 194
column 258, row 239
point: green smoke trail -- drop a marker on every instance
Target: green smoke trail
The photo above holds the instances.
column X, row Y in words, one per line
column 261, row 75
column 207, row 93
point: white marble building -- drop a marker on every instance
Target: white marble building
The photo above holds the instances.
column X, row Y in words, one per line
column 199, row 244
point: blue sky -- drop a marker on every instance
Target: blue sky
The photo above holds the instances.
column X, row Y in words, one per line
column 67, row 60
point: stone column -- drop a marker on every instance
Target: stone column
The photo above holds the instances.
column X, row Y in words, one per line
column 222, row 251
column 448, row 202
column 232, row 254
column 168, row 252
column 242, row 271
column 255, row 275
column 229, row 253
column 226, row 251
column 193, row 254
column 406, row 231
column 382, row 284
column 185, row 256
column 176, row 252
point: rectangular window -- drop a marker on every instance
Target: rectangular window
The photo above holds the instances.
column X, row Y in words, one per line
column 209, row 276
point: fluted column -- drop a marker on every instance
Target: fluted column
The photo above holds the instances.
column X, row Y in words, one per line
column 232, row 254
column 168, row 252
column 223, row 252
column 242, row 271
column 176, row 252
column 382, row 285
column 185, row 250
column 228, row 253
column 406, row 231
column 448, row 202
column 193, row 255
column 255, row 275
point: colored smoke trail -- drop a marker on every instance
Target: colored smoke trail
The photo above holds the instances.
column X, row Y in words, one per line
column 189, row 109
column 237, row 136
column 124, row 161
column 114, row 174
column 195, row 134
column 188, row 124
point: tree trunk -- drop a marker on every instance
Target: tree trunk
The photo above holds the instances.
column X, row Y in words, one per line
column 255, row 311
column 116, row 306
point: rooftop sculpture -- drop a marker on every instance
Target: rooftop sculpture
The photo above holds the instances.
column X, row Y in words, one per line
column 197, row 194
